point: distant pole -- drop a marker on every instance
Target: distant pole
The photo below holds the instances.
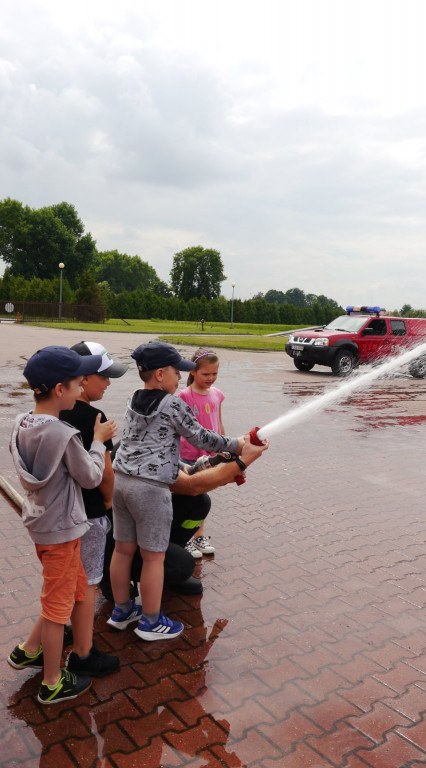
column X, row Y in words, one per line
column 232, row 306
column 61, row 266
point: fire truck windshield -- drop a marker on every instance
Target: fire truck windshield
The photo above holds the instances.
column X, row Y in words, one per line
column 347, row 323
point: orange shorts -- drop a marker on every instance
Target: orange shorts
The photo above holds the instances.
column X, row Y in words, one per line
column 64, row 579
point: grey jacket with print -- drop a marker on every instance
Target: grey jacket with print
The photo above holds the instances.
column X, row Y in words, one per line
column 52, row 464
column 149, row 448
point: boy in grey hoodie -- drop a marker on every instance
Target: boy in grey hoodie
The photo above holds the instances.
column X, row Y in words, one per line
column 146, row 464
column 52, row 464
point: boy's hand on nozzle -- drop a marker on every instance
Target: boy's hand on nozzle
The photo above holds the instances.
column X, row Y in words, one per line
column 252, row 452
column 104, row 431
column 240, row 444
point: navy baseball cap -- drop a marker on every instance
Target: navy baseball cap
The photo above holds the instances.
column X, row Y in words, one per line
column 157, row 354
column 108, row 367
column 52, row 365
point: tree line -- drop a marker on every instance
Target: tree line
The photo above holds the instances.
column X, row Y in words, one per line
column 33, row 242
column 140, row 304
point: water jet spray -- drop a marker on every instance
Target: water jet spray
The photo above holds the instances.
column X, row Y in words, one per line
column 317, row 404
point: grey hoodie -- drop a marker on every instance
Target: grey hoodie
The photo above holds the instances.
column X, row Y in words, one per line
column 52, row 464
column 153, row 423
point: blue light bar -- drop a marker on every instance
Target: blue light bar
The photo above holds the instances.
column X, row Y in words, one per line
column 369, row 310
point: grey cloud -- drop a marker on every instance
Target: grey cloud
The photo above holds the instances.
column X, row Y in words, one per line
column 155, row 149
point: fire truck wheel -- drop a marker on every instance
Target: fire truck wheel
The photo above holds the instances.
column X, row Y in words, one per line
column 344, row 362
column 418, row 368
column 303, row 365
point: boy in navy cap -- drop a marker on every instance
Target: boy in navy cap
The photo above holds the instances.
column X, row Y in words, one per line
column 146, row 464
column 52, row 464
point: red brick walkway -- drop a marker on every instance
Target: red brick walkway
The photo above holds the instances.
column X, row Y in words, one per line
column 307, row 649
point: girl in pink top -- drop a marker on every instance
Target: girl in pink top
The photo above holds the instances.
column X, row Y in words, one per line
column 205, row 400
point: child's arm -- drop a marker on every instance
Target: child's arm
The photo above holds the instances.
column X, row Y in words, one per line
column 208, row 480
column 102, row 432
column 222, row 428
column 186, row 425
column 106, row 486
column 85, row 467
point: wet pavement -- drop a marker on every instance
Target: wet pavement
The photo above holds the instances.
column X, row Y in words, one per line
column 307, row 648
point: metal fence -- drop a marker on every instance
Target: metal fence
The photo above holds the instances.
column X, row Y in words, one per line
column 27, row 311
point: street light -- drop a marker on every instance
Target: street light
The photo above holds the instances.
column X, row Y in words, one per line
column 232, row 306
column 61, row 266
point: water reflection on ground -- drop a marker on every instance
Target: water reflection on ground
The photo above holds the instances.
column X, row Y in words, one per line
column 396, row 400
column 163, row 719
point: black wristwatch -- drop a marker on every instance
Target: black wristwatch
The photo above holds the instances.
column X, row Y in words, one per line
column 240, row 463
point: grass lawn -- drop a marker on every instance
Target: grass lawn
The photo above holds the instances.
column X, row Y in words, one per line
column 241, row 336
column 254, row 342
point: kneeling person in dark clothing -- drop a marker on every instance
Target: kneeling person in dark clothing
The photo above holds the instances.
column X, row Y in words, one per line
column 191, row 505
column 188, row 513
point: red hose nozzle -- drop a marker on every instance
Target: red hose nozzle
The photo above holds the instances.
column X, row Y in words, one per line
column 254, row 439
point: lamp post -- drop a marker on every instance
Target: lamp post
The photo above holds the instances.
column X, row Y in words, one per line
column 232, row 306
column 61, row 266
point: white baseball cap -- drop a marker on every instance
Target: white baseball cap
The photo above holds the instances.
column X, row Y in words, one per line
column 108, row 368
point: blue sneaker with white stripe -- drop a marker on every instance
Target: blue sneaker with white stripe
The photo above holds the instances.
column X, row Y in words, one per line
column 163, row 629
column 120, row 620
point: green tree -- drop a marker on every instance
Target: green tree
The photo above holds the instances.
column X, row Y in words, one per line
column 88, row 290
column 107, row 298
column 296, row 297
column 34, row 241
column 310, row 299
column 6, row 285
column 323, row 301
column 197, row 272
column 128, row 273
column 67, row 214
column 273, row 297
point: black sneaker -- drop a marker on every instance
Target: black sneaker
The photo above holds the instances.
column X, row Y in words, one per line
column 69, row 686
column 20, row 659
column 191, row 586
column 97, row 663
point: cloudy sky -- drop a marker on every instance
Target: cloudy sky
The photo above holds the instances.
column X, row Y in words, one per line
column 290, row 135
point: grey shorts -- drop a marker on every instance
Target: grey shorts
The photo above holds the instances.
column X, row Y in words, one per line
column 142, row 512
column 93, row 549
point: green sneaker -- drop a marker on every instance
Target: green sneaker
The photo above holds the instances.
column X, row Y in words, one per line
column 20, row 659
column 69, row 686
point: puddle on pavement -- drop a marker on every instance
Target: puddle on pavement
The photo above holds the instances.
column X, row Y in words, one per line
column 193, row 663
column 19, row 390
column 395, row 401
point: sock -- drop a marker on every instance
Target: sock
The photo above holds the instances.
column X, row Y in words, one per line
column 52, row 687
column 83, row 658
column 30, row 655
column 125, row 607
column 152, row 618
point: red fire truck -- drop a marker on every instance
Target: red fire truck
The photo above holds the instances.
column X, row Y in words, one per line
column 363, row 335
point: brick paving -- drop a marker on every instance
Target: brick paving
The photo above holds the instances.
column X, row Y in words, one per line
column 307, row 648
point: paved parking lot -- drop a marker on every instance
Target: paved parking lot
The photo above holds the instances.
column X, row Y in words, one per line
column 307, row 648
